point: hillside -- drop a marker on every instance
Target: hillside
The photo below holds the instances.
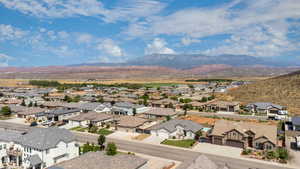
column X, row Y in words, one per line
column 284, row 90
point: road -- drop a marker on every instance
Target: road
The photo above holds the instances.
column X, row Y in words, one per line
column 184, row 156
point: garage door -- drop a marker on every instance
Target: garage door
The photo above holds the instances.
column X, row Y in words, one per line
column 235, row 143
column 217, row 141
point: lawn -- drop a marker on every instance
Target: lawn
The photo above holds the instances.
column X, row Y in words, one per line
column 180, row 143
column 104, row 132
column 78, row 129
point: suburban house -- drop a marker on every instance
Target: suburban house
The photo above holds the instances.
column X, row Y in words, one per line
column 84, row 119
column 29, row 112
column 126, row 108
column 38, row 148
column 59, row 114
column 222, row 106
column 244, row 134
column 296, row 123
column 130, row 123
column 85, row 107
column 99, row 160
column 179, row 129
column 155, row 113
column 273, row 111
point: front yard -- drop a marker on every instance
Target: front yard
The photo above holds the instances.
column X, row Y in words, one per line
column 180, row 143
column 94, row 130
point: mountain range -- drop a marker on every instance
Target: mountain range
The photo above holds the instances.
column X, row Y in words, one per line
column 159, row 66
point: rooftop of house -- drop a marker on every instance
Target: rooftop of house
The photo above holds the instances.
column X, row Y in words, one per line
column 93, row 116
column 296, row 120
column 130, row 121
column 161, row 111
column 172, row 124
column 203, row 162
column 31, row 110
column 9, row 135
column 98, row 160
column 45, row 138
column 265, row 105
column 223, row 103
column 223, row 126
column 127, row 105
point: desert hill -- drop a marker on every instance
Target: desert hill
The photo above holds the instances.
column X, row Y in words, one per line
column 283, row 90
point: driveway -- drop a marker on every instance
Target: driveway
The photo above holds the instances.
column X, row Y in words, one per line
column 153, row 139
column 295, row 154
column 218, row 150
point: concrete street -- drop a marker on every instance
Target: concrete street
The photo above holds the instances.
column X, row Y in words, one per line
column 182, row 155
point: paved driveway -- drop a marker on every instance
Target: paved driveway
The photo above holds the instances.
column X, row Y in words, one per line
column 153, row 139
column 217, row 149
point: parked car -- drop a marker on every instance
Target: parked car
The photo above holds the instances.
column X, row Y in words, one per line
column 33, row 124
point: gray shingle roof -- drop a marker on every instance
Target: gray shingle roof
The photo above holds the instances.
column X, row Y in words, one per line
column 296, row 120
column 265, row 105
column 45, row 138
column 98, row 160
column 171, row 125
column 9, row 135
column 35, row 160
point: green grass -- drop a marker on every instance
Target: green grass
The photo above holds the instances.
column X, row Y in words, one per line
column 78, row 129
column 104, row 132
column 180, row 143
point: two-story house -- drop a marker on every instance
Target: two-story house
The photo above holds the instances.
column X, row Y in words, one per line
column 38, row 148
column 244, row 134
column 273, row 111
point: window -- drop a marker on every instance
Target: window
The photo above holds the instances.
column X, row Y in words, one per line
column 47, row 151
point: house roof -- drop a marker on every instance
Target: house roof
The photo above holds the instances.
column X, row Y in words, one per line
column 265, row 105
column 127, row 105
column 161, row 111
column 130, row 121
column 260, row 130
column 171, row 125
column 99, row 160
column 45, row 138
column 57, row 112
column 9, row 135
column 223, row 103
column 296, row 120
column 203, row 162
column 31, row 111
column 93, row 116
column 35, row 160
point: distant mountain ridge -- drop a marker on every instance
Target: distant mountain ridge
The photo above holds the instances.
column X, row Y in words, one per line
column 188, row 61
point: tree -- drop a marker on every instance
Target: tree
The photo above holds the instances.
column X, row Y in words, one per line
column 198, row 134
column 111, row 149
column 185, row 108
column 101, row 141
column 134, row 111
column 113, row 102
column 23, row 103
column 168, row 118
column 5, row 111
column 30, row 104
column 35, row 104
column 67, row 99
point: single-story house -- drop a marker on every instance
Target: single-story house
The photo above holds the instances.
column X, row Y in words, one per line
column 296, row 123
column 126, row 108
column 29, row 112
column 223, row 106
column 84, row 119
column 180, row 129
column 244, row 134
column 99, row 160
column 130, row 123
column 57, row 114
column 155, row 112
column 272, row 110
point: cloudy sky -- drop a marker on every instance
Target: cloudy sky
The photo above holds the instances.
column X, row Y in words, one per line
column 64, row 32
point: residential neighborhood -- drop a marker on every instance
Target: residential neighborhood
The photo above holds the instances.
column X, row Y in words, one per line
column 178, row 116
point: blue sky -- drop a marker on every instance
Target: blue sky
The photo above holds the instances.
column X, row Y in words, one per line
column 64, row 32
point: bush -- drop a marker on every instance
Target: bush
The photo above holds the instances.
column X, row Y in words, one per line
column 246, row 151
column 283, row 154
column 93, row 129
column 5, row 111
column 111, row 149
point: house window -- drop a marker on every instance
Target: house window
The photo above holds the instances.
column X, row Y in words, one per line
column 47, row 151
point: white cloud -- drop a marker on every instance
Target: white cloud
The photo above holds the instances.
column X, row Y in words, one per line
column 109, row 47
column 158, row 45
column 187, row 41
column 84, row 38
column 56, row 9
column 8, row 32
column 4, row 59
column 128, row 10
